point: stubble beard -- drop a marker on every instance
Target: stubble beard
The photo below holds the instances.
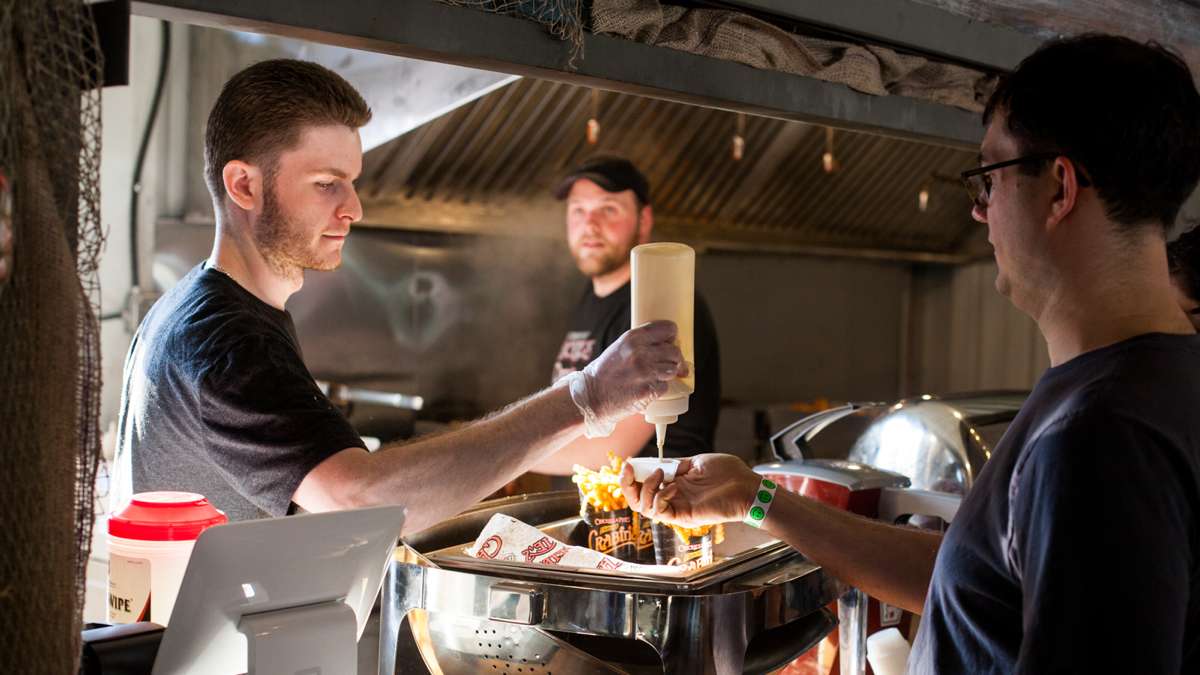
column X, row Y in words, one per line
column 610, row 260
column 282, row 242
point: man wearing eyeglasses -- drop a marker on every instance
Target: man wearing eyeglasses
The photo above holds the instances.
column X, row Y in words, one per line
column 1078, row 548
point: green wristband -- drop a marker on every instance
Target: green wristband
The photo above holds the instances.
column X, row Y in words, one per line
column 763, row 498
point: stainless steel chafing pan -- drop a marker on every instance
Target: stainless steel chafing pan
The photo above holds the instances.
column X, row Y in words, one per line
column 756, row 608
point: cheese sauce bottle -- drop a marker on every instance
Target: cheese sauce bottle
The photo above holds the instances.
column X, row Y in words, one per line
column 663, row 286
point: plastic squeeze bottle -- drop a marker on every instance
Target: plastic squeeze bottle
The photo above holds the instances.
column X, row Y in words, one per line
column 664, row 287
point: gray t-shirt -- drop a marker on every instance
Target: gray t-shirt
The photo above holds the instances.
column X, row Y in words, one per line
column 217, row 400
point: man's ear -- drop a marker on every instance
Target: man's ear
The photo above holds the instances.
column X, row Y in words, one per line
column 243, row 184
column 1066, row 178
column 645, row 224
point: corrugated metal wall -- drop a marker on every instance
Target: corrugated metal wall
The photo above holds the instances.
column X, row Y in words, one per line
column 964, row 336
column 796, row 328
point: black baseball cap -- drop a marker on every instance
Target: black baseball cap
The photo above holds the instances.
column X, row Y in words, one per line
column 614, row 174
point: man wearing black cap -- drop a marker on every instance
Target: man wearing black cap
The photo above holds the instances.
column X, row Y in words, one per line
column 608, row 213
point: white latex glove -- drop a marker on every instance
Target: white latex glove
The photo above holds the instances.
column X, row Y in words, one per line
column 627, row 377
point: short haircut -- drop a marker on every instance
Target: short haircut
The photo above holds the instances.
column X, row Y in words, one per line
column 263, row 109
column 1127, row 113
column 1183, row 257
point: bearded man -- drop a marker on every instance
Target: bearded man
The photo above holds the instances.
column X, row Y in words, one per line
column 216, row 398
column 608, row 213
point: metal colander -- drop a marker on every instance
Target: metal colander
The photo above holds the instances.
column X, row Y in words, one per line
column 461, row 646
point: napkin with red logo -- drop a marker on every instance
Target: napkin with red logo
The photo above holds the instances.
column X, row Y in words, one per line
column 506, row 538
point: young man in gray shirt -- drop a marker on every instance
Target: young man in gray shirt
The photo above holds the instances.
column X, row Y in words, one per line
column 216, row 398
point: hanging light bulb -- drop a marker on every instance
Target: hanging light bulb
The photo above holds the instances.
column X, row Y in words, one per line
column 739, row 138
column 828, row 161
column 923, row 199
column 593, row 124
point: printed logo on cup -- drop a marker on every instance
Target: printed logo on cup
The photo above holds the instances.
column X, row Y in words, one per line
column 128, row 589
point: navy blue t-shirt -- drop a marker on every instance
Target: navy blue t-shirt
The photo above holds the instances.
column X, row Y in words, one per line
column 1076, row 549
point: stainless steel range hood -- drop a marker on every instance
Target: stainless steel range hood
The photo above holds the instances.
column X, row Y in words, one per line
column 468, row 171
column 403, row 93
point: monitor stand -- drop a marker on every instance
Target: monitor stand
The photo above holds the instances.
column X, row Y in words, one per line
column 280, row 595
column 318, row 639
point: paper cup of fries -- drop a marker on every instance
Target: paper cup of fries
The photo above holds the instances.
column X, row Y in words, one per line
column 691, row 548
column 611, row 526
column 645, row 539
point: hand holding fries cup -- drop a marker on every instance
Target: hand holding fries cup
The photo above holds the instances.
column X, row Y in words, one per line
column 708, row 489
column 684, row 535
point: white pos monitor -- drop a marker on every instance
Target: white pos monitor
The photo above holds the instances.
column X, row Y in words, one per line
column 281, row 595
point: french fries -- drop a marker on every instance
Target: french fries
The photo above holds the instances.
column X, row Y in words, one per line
column 686, row 533
column 612, row 525
column 602, row 489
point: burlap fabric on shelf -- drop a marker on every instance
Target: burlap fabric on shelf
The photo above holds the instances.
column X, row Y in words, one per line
column 738, row 37
column 49, row 350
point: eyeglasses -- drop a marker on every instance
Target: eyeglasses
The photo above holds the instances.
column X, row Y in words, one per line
column 979, row 181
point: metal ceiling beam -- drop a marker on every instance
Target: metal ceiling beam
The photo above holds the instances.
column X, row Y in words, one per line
column 426, row 29
column 769, row 247
column 910, row 26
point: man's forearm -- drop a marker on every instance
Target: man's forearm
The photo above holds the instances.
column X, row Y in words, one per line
column 626, row 441
column 440, row 476
column 893, row 564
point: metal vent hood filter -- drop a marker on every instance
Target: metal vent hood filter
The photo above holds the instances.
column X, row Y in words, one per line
column 403, row 93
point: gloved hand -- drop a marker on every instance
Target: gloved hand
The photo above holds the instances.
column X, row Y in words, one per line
column 707, row 489
column 627, row 377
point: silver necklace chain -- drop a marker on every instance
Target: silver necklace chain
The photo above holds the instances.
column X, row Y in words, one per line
column 213, row 266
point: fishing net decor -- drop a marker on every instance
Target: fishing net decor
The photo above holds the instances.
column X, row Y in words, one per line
column 50, row 74
column 562, row 18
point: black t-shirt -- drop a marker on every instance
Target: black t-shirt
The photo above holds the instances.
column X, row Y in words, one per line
column 1076, row 551
column 217, row 400
column 597, row 322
